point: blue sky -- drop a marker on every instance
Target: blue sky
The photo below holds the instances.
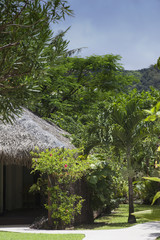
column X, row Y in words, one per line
column 129, row 28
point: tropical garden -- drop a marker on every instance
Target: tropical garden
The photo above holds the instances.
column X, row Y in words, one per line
column 113, row 125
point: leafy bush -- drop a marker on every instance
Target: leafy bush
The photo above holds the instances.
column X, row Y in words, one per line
column 146, row 190
column 62, row 167
column 106, row 184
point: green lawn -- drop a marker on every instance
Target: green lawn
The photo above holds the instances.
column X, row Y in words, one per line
column 30, row 236
column 117, row 219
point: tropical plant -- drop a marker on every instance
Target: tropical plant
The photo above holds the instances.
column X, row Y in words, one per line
column 106, row 183
column 74, row 85
column 152, row 214
column 100, row 183
column 128, row 130
column 25, row 35
column 154, row 114
column 62, row 167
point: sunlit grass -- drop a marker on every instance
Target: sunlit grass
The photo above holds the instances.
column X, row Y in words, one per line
column 118, row 218
column 30, row 236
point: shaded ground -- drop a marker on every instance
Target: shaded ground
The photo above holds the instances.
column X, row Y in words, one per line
column 21, row 216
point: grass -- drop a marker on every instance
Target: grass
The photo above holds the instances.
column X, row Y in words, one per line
column 117, row 219
column 30, row 236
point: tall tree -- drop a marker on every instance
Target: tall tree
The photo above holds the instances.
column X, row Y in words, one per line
column 73, row 97
column 24, row 35
column 74, row 85
column 128, row 130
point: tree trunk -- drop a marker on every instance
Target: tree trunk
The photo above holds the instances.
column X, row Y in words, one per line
column 86, row 216
column 131, row 218
column 49, row 204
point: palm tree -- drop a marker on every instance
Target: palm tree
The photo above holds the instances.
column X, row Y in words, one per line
column 127, row 131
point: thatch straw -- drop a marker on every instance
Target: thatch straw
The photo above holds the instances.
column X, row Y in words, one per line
column 28, row 131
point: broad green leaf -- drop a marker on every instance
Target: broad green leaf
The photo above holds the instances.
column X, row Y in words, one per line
column 155, row 179
column 148, row 111
column 156, row 197
column 151, row 118
column 157, row 106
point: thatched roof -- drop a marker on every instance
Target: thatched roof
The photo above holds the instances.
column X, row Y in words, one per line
column 17, row 140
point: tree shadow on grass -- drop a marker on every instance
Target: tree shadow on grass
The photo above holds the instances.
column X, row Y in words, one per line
column 104, row 225
column 117, row 219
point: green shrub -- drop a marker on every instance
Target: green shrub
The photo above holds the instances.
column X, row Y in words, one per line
column 62, row 168
column 106, row 183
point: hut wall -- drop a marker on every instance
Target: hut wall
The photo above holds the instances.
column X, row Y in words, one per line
column 13, row 188
column 15, row 182
column 86, row 217
column 28, row 180
column 1, row 187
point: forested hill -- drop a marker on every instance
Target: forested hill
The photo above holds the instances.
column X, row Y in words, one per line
column 148, row 77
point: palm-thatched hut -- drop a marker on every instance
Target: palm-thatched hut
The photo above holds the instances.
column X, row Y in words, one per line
column 17, row 140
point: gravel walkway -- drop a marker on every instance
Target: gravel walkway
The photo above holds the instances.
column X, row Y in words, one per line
column 145, row 231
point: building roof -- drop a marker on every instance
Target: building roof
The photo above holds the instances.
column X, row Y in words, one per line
column 28, row 131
